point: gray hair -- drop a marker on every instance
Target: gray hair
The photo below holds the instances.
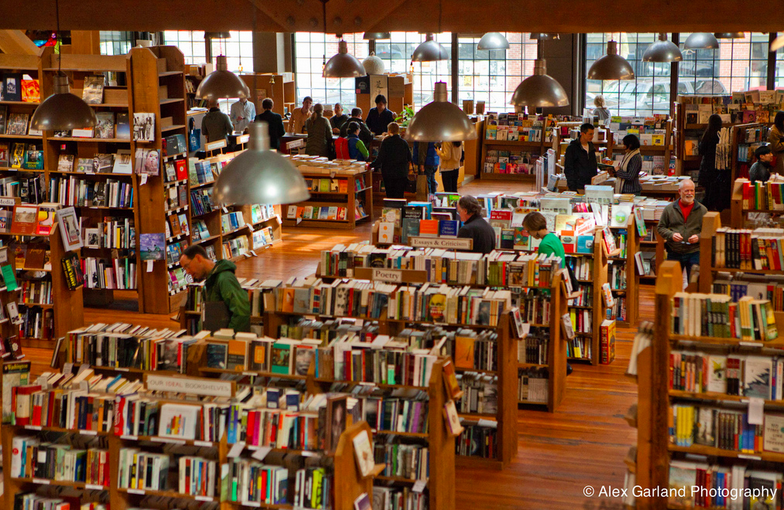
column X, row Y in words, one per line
column 684, row 182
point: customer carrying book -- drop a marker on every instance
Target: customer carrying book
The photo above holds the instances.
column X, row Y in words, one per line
column 680, row 226
column 776, row 140
column 717, row 183
column 474, row 226
column 631, row 165
column 394, row 158
column 580, row 160
column 225, row 301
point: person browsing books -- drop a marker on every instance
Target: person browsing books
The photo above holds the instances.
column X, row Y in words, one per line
column 680, row 226
column 274, row 121
column 394, row 158
column 630, row 167
column 225, row 301
column 216, row 124
column 776, row 140
column 580, row 160
column 474, row 226
column 242, row 113
column 536, row 225
column 760, row 170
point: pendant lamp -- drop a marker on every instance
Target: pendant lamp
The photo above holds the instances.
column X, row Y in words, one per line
column 777, row 43
column 544, row 36
column 376, row 35
column 662, row 50
column 440, row 121
column 539, row 89
column 62, row 110
column 217, row 35
column 259, row 175
column 701, row 41
column 373, row 64
column 343, row 64
column 729, row 35
column 221, row 83
column 493, row 41
column 429, row 51
column 611, row 66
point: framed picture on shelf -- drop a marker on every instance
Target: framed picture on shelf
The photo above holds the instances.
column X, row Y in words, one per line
column 143, row 127
column 69, row 224
column 337, row 409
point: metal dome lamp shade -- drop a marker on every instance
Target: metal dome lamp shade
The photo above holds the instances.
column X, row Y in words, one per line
column 373, row 64
column 729, row 35
column 260, row 175
column 777, row 43
column 662, row 50
column 611, row 66
column 429, row 51
column 440, row 121
column 376, row 35
column 701, row 41
column 544, row 36
column 221, row 83
column 343, row 64
column 62, row 110
column 493, row 41
column 539, row 89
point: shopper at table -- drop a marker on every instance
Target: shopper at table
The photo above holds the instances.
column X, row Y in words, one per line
column 451, row 153
column 352, row 148
column 394, row 158
column 379, row 117
column 631, row 165
column 717, row 183
column 364, row 132
column 338, row 119
column 474, row 226
column 216, row 125
column 319, row 131
column 580, row 160
column 226, row 302
column 776, row 140
column 300, row 116
column 760, row 170
column 274, row 121
column 242, row 113
column 680, row 226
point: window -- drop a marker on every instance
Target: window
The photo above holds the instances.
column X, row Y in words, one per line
column 737, row 65
column 190, row 43
column 780, row 68
column 238, row 50
column 493, row 76
column 114, row 42
column 646, row 94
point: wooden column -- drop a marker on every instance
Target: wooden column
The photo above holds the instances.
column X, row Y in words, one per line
column 85, row 42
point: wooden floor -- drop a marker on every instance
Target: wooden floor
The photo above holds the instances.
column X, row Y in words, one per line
column 583, row 443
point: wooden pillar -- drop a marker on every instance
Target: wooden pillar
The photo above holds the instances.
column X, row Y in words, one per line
column 771, row 81
column 85, row 42
column 676, row 38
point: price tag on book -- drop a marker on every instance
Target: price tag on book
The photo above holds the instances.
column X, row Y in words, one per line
column 149, row 266
column 33, row 427
column 236, row 450
column 137, row 491
column 130, row 438
column 204, row 498
column 756, row 410
column 261, row 453
column 750, row 344
column 749, row 457
column 3, row 256
column 251, row 503
column 419, row 486
column 202, row 443
column 168, row 440
column 41, row 481
column 93, row 487
column 88, row 432
column 144, row 180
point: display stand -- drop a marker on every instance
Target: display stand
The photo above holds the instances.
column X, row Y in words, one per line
column 741, row 206
column 539, row 148
column 629, row 267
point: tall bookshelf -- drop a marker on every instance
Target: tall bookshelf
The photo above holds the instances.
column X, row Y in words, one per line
column 538, row 148
column 627, row 265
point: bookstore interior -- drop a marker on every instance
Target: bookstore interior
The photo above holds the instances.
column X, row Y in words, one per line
column 464, row 278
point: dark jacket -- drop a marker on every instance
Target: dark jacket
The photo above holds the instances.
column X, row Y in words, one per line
column 759, row 171
column 319, row 137
column 276, row 129
column 364, row 132
column 481, row 232
column 672, row 221
column 222, row 285
column 631, row 176
column 579, row 166
column 394, row 155
column 378, row 122
column 216, row 125
column 707, row 150
column 337, row 121
column 428, row 157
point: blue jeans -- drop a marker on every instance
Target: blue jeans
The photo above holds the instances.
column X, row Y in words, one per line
column 432, row 184
column 686, row 259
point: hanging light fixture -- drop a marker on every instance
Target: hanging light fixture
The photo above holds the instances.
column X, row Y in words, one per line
column 429, row 51
column 540, row 89
column 259, row 175
column 376, row 35
column 777, row 43
column 701, row 41
column 611, row 66
column 62, row 111
column 440, row 121
column 729, row 35
column 373, row 64
column 217, row 35
column 343, row 64
column 221, row 83
column 662, row 50
column 493, row 41
column 544, row 36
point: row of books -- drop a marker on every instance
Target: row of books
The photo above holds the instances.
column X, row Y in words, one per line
column 699, row 484
column 478, row 439
column 535, row 306
column 204, row 171
column 176, row 196
column 388, row 233
column 36, row 323
column 101, row 163
column 616, row 275
column 232, row 221
column 327, row 185
column 409, row 461
column 733, row 374
column 32, row 501
column 510, row 162
column 60, row 462
column 769, row 288
column 480, row 393
column 262, row 212
column 36, row 293
column 478, row 352
column 201, row 201
column 175, row 170
column 716, row 315
column 762, row 196
column 83, row 193
column 114, row 273
column 725, row 429
column 235, row 247
column 396, row 498
column 263, row 237
column 532, row 385
column 21, row 156
column 534, row 348
column 15, row 123
column 174, row 251
column 249, row 482
column 579, row 348
column 310, row 212
column 759, row 249
column 179, row 279
column 177, row 224
column 142, row 470
column 112, row 232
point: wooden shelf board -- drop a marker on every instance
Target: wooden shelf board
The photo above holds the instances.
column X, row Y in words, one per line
column 22, row 137
column 718, row 452
column 173, row 127
column 380, row 385
column 491, row 372
column 207, row 370
column 511, row 143
column 719, row 397
column 172, row 100
column 508, row 177
column 478, row 416
column 19, row 103
column 424, row 435
column 97, row 174
column 400, row 321
column 465, row 461
column 91, row 140
column 729, row 341
column 166, row 494
column 531, row 365
column 169, row 73
column 752, row 271
column 59, row 483
column 174, row 183
column 211, row 238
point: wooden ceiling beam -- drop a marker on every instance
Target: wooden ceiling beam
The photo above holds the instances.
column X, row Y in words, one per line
column 346, row 16
column 16, row 42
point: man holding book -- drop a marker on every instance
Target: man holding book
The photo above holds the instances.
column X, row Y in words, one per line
column 580, row 160
column 226, row 303
column 680, row 226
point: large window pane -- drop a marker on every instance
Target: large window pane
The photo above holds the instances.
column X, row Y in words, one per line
column 737, row 65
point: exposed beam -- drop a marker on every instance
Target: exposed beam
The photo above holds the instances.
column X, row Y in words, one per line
column 461, row 16
column 16, row 42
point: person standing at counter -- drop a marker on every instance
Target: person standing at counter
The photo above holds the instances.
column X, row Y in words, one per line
column 394, row 157
column 580, row 160
column 274, row 121
column 337, row 120
column 379, row 117
column 319, row 133
column 300, row 116
column 364, row 132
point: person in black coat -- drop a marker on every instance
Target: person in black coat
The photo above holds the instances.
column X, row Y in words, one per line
column 394, row 157
column 379, row 117
column 717, row 183
column 274, row 121
column 474, row 226
column 580, row 160
column 364, row 132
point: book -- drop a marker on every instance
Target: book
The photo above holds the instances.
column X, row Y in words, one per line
column 68, row 223
column 607, row 342
column 363, row 450
column 104, row 126
column 123, row 127
column 46, row 218
column 93, row 89
column 65, row 163
column 123, row 163
column 144, row 127
column 25, row 220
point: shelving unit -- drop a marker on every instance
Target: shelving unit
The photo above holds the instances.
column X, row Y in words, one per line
column 631, row 292
column 538, row 148
column 281, row 88
column 646, row 246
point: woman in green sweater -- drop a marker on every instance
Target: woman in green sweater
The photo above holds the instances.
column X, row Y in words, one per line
column 536, row 225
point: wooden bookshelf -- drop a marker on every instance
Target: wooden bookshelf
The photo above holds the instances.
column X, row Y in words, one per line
column 711, row 222
column 347, row 199
column 538, row 148
column 631, row 293
column 657, row 247
column 740, row 209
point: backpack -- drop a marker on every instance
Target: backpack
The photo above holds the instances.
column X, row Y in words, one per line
column 341, row 148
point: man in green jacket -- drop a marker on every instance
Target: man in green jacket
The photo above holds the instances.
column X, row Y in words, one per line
column 221, row 286
column 680, row 226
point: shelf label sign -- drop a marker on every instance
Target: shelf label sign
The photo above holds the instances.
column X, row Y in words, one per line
column 387, row 275
column 190, row 385
column 454, row 243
